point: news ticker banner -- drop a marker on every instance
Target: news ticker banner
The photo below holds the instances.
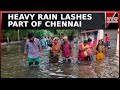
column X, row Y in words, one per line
column 63, row 20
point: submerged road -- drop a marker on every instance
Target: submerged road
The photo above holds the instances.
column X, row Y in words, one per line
column 13, row 67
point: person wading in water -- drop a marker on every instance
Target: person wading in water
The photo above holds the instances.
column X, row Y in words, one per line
column 66, row 48
column 54, row 51
column 33, row 50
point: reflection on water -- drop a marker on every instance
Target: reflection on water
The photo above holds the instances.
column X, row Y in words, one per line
column 12, row 66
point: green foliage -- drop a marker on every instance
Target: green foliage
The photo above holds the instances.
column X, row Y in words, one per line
column 13, row 34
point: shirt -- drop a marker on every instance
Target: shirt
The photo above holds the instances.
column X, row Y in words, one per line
column 106, row 39
column 66, row 49
column 43, row 42
column 56, row 48
column 90, row 45
column 32, row 48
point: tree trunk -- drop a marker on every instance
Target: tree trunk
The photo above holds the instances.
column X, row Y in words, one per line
column 18, row 35
column 8, row 40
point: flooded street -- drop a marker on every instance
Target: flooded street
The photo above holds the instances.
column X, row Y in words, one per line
column 13, row 67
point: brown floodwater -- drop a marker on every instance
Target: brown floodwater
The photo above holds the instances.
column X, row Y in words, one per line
column 13, row 67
